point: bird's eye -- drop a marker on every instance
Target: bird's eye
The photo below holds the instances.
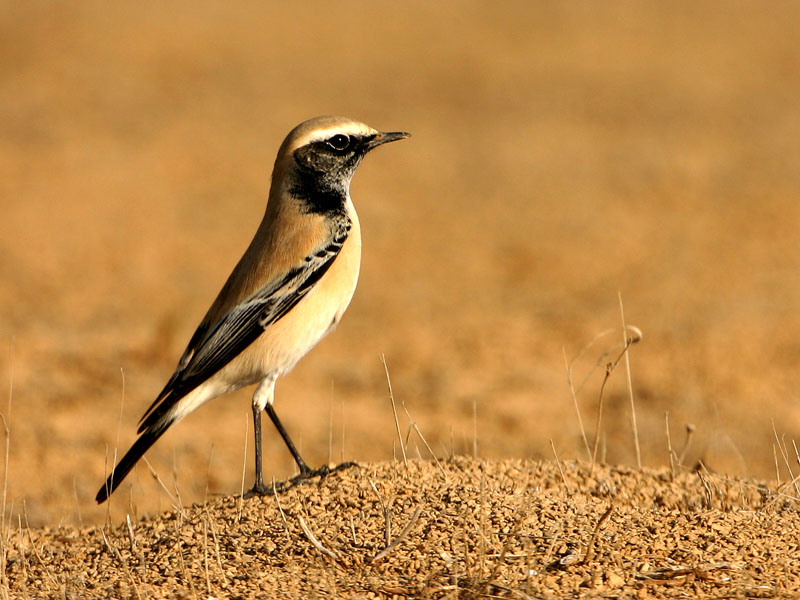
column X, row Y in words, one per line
column 339, row 142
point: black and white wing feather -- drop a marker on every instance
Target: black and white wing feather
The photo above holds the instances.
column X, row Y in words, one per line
column 213, row 347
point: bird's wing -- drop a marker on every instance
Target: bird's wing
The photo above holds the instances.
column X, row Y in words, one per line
column 214, row 346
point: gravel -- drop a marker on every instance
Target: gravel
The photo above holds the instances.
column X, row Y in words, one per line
column 463, row 529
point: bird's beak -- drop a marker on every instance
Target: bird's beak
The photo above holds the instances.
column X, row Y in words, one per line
column 385, row 137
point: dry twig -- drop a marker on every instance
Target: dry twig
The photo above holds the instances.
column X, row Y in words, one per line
column 591, row 549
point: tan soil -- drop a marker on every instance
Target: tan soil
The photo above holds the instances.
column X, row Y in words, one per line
column 474, row 529
column 562, row 153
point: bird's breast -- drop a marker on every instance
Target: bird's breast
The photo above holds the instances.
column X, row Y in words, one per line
column 287, row 340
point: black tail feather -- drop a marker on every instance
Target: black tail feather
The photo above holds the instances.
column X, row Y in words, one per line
column 132, row 456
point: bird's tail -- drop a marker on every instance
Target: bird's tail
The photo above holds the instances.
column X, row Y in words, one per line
column 132, row 456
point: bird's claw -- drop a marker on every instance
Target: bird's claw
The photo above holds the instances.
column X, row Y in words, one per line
column 259, row 489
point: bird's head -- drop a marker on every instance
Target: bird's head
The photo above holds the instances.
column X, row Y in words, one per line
column 319, row 157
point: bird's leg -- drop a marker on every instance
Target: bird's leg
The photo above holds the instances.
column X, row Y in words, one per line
column 258, row 489
column 262, row 400
column 306, row 472
column 261, row 397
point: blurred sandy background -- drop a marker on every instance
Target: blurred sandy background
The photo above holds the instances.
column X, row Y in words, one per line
column 561, row 153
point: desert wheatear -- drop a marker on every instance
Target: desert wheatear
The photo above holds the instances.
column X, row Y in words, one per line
column 286, row 293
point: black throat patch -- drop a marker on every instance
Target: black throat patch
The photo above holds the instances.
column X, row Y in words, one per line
column 317, row 195
column 321, row 176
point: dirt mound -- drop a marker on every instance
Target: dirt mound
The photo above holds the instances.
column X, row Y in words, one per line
column 561, row 153
column 462, row 529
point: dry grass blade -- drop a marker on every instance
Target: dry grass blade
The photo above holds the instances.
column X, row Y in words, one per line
column 216, row 546
column 244, row 467
column 115, row 553
column 690, row 429
column 187, row 576
column 181, row 513
column 482, row 533
column 205, row 557
column 280, row 508
column 330, row 426
column 5, row 548
column 78, row 512
column 785, row 454
column 49, row 575
column 632, row 335
column 385, row 552
column 560, row 468
column 521, row 512
column 387, row 517
column 5, row 525
column 709, row 494
column 635, row 335
column 23, row 556
column 577, row 407
column 353, row 529
column 131, row 535
column 174, row 501
column 116, row 443
column 314, row 541
column 777, row 466
column 422, row 437
column 670, row 451
column 394, row 410
column 610, row 366
column 474, row 428
column 631, row 340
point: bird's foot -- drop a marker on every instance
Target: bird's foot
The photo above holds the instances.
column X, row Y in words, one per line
column 259, row 489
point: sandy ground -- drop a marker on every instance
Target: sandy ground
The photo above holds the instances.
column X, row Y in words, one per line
column 562, row 154
column 465, row 530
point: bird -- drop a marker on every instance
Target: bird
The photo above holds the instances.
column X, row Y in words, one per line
column 286, row 293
